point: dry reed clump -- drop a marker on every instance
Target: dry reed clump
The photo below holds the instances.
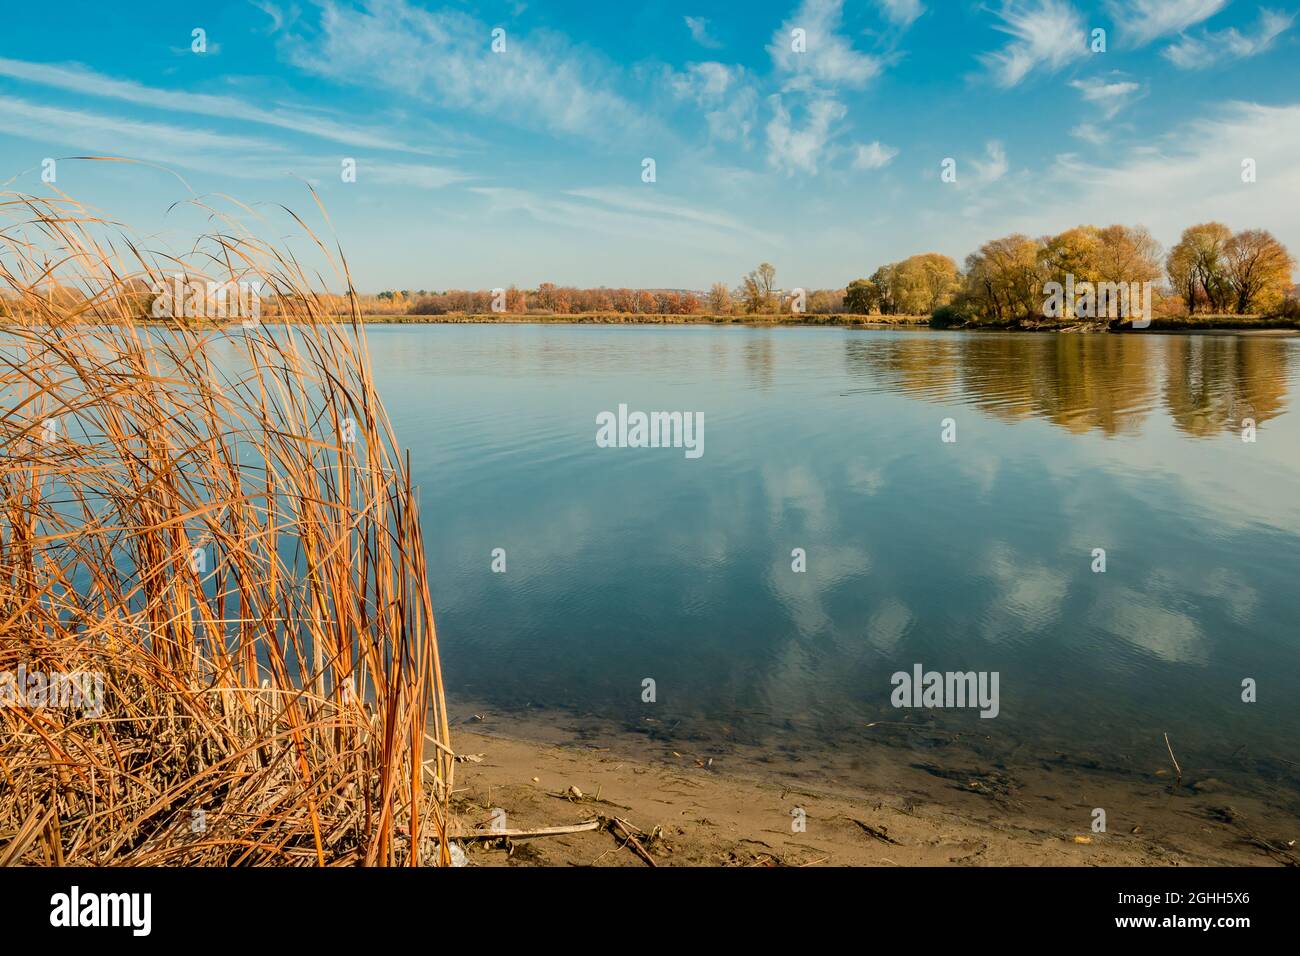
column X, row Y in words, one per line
column 215, row 521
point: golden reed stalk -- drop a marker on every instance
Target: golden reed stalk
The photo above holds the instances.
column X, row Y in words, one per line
column 219, row 523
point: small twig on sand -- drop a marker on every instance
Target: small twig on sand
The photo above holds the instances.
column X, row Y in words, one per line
column 1178, row 771
column 622, row 829
column 878, row 834
column 525, row 834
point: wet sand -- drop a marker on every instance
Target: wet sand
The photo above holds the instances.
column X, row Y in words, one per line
column 694, row 809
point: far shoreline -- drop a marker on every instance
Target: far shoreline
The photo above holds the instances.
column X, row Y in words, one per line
column 1272, row 325
column 1175, row 325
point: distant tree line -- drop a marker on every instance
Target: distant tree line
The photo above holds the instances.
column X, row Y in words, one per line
column 756, row 294
column 1210, row 270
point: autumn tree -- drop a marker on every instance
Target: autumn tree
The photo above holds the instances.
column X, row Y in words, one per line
column 917, row 285
column 884, row 282
column 757, row 288
column 1002, row 279
column 670, row 303
column 1110, row 258
column 861, row 297
column 720, row 299
column 925, row 282
column 624, row 300
column 1197, row 266
column 1127, row 254
column 1075, row 252
column 547, row 296
column 1180, row 267
column 822, row 302
column 1258, row 270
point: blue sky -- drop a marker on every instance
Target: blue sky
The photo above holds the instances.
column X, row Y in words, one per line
column 478, row 169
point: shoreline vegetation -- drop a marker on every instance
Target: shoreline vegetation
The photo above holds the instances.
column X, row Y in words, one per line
column 1086, row 279
column 1198, row 323
column 1281, row 324
column 221, row 529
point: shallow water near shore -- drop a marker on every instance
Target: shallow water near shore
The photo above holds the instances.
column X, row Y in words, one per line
column 624, row 564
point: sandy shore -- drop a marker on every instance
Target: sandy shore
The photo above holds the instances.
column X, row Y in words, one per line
column 691, row 812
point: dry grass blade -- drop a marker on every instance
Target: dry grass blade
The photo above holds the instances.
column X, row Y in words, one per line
column 219, row 527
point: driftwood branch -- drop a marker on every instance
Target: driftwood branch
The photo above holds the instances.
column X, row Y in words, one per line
column 1178, row 771
column 623, row 830
column 525, row 834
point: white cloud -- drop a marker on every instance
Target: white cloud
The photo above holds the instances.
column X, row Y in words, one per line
column 157, row 143
column 1197, row 53
column 444, row 57
column 636, row 200
column 618, row 212
column 799, row 150
column 1141, row 21
column 75, row 78
column 726, row 96
column 272, row 11
column 699, row 28
column 873, row 155
column 810, row 85
column 704, row 82
column 901, row 13
column 222, row 154
column 1192, row 171
column 993, row 167
column 421, row 176
column 1109, row 96
column 829, row 58
column 1090, row 133
column 1047, row 34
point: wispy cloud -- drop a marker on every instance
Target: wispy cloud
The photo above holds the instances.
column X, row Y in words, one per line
column 417, row 175
column 75, row 78
column 1090, row 133
column 699, row 27
column 1200, row 160
column 994, row 165
column 273, row 11
column 1046, row 34
column 726, row 95
column 873, row 155
column 1211, row 47
column 1109, row 96
column 813, row 62
column 829, row 58
column 159, row 143
column 621, row 213
column 188, row 147
column 1138, row 22
column 444, row 58
column 639, row 201
column 901, row 13
column 791, row 149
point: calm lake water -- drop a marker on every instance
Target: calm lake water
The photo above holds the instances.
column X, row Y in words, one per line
column 624, row 563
